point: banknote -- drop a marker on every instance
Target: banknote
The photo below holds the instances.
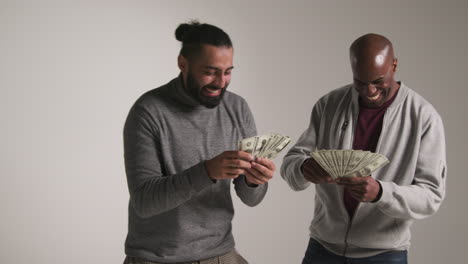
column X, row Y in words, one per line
column 264, row 146
column 247, row 144
column 349, row 163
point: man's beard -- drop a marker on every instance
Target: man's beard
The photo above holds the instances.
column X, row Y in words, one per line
column 195, row 91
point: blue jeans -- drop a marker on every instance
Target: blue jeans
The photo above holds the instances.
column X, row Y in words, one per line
column 317, row 254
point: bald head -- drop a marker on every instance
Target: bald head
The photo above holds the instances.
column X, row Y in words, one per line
column 374, row 65
column 371, row 51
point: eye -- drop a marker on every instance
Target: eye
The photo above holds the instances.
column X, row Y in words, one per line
column 378, row 82
column 209, row 73
column 227, row 73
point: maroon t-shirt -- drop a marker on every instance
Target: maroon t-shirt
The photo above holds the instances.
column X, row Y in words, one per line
column 366, row 137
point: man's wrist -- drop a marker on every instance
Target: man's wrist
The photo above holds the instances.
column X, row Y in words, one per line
column 252, row 185
column 205, row 163
column 379, row 195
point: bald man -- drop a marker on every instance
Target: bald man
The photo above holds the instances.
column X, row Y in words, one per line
column 368, row 219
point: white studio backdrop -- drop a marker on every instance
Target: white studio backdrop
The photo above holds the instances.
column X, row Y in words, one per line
column 70, row 71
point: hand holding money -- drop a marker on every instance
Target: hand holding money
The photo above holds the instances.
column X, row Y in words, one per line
column 351, row 169
column 349, row 163
column 228, row 165
column 263, row 148
column 314, row 173
column 363, row 189
column 261, row 172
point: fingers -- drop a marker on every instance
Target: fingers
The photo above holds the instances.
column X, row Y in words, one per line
column 267, row 163
column 356, row 183
column 361, row 196
column 233, row 171
column 315, row 173
column 363, row 189
column 233, row 163
column 236, row 163
column 352, row 180
column 238, row 154
column 261, row 172
column 236, row 159
column 313, row 164
column 230, row 176
column 264, row 167
column 255, row 177
column 312, row 176
column 224, row 167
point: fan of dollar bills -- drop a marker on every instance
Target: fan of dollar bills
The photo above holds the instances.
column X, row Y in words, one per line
column 349, row 163
column 264, row 146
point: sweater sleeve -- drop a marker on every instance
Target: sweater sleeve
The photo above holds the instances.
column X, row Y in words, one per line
column 250, row 196
column 292, row 161
column 152, row 192
column 424, row 196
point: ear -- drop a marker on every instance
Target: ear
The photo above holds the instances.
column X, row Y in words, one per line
column 395, row 64
column 182, row 63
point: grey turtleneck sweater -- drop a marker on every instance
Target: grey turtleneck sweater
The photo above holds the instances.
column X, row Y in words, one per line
column 176, row 212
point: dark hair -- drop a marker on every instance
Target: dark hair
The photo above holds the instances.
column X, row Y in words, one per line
column 193, row 35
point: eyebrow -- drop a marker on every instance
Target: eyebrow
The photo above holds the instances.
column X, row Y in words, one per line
column 374, row 81
column 378, row 79
column 216, row 68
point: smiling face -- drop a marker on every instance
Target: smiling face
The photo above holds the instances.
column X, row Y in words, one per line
column 375, row 84
column 207, row 75
column 374, row 68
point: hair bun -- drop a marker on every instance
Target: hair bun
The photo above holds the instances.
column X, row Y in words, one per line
column 182, row 30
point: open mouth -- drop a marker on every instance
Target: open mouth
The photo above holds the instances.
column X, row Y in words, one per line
column 210, row 92
column 374, row 98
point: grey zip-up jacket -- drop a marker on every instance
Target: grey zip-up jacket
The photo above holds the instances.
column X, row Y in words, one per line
column 413, row 183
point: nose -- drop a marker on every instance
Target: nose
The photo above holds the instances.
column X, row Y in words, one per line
column 370, row 89
column 220, row 81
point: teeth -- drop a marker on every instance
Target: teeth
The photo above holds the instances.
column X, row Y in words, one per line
column 373, row 98
column 213, row 91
